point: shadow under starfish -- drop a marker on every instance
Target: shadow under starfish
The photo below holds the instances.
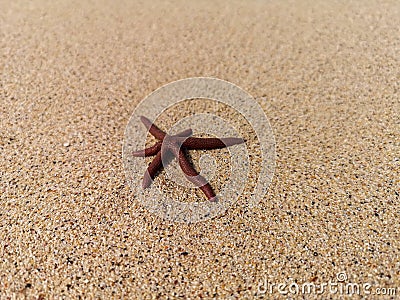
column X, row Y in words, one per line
column 176, row 145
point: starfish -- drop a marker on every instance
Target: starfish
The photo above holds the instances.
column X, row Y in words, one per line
column 176, row 145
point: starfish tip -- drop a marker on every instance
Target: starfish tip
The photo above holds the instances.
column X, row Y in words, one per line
column 144, row 119
column 214, row 199
column 147, row 180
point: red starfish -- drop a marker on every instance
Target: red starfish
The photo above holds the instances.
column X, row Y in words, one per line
column 175, row 145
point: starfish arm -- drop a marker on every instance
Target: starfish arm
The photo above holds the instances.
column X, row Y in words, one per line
column 152, row 170
column 148, row 151
column 153, row 129
column 193, row 176
column 193, row 143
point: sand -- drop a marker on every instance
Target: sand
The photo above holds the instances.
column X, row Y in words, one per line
column 71, row 73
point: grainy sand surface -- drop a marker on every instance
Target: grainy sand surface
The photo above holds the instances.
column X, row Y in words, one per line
column 326, row 73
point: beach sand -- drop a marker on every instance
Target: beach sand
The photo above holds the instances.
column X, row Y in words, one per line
column 71, row 73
